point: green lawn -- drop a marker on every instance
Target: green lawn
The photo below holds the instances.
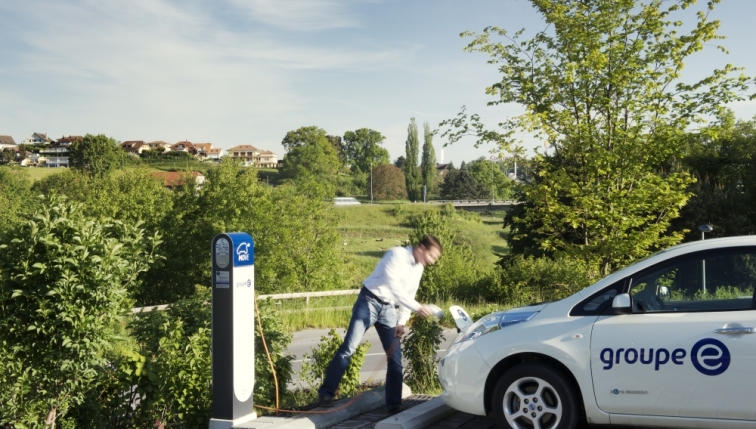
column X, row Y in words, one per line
column 35, row 173
column 367, row 230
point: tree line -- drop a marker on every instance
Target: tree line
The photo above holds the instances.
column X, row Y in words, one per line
column 358, row 164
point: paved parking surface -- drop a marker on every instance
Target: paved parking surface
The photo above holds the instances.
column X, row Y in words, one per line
column 458, row 420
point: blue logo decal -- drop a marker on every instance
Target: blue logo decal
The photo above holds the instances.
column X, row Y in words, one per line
column 242, row 252
column 242, row 249
column 710, row 356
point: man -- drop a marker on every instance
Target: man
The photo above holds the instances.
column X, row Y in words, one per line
column 393, row 284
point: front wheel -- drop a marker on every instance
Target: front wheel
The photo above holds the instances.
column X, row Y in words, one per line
column 535, row 396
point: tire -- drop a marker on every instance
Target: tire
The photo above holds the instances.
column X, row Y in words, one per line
column 535, row 396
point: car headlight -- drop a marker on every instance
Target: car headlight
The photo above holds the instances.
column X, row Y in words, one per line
column 496, row 321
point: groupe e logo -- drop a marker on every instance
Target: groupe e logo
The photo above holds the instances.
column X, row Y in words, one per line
column 708, row 356
column 242, row 252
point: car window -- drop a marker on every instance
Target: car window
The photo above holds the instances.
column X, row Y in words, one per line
column 714, row 281
column 599, row 301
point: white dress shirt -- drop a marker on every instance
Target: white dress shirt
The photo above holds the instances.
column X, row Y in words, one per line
column 396, row 279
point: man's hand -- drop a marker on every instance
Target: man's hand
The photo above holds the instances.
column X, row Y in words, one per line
column 399, row 331
column 424, row 311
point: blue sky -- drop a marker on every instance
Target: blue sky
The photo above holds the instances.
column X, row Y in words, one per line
column 236, row 72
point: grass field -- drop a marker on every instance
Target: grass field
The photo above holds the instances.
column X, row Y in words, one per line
column 335, row 312
column 367, row 230
column 35, row 173
column 38, row 173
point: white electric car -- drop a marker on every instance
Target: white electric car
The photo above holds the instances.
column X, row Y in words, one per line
column 668, row 341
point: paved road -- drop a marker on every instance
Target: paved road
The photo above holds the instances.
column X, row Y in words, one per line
column 374, row 367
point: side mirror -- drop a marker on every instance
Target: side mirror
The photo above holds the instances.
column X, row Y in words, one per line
column 622, row 304
column 663, row 293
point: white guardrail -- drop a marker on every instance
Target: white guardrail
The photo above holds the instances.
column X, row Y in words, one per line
column 305, row 295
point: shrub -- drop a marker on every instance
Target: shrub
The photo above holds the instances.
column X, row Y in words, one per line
column 420, row 351
column 456, row 272
column 166, row 376
column 64, row 282
column 522, row 280
column 314, row 367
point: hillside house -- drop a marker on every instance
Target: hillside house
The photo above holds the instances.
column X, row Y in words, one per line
column 134, row 146
column 159, row 146
column 7, row 142
column 184, row 146
column 38, row 138
column 252, row 156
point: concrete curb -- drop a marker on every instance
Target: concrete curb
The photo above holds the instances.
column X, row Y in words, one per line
column 369, row 400
column 418, row 416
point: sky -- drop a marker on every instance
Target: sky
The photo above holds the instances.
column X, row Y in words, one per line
column 234, row 72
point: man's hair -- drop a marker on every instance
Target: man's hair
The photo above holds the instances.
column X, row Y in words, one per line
column 429, row 241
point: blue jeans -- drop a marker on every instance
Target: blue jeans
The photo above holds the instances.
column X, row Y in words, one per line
column 368, row 311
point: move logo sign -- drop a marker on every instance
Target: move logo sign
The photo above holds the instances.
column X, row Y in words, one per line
column 242, row 252
column 708, row 356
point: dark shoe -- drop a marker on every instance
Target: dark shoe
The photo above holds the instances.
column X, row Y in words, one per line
column 325, row 402
column 397, row 410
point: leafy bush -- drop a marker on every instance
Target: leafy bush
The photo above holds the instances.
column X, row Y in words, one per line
column 314, row 367
column 352, row 184
column 419, row 349
column 398, row 210
column 64, row 282
column 456, row 272
column 522, row 280
column 166, row 377
column 15, row 197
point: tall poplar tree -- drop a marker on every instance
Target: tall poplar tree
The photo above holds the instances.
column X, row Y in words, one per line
column 411, row 173
column 428, row 164
column 603, row 86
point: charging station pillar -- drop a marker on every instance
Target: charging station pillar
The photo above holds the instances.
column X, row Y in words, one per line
column 233, row 329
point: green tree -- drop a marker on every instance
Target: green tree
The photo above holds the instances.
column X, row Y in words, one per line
column 411, row 173
column 7, row 156
column 603, row 88
column 388, row 183
column 303, row 136
column 338, row 146
column 428, row 163
column 489, row 175
column 723, row 159
column 400, row 162
column 363, row 149
column 64, row 282
column 462, row 185
column 296, row 239
column 310, row 156
column 299, row 243
column 95, row 155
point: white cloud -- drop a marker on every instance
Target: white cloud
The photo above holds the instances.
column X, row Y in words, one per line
column 302, row 15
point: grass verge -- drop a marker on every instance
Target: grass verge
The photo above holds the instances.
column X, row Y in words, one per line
column 335, row 312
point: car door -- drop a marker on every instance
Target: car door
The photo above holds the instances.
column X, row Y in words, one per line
column 688, row 349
